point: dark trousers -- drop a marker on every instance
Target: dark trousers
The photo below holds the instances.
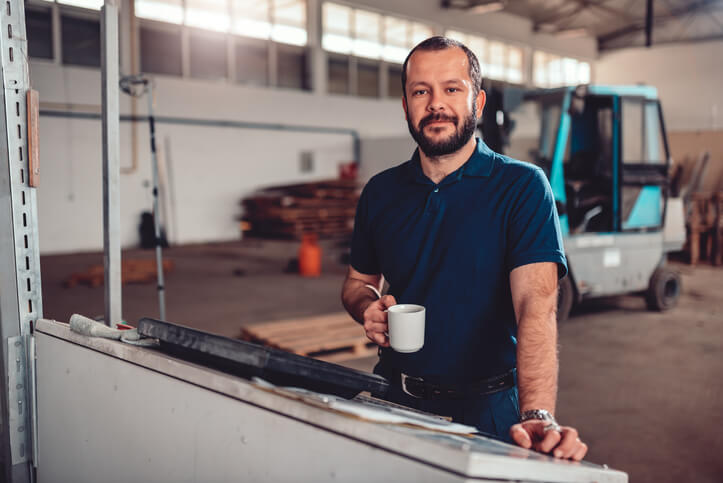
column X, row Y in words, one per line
column 492, row 414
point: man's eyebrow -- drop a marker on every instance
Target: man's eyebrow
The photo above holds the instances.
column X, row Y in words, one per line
column 448, row 81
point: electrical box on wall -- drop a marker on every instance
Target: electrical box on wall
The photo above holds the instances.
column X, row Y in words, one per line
column 306, row 162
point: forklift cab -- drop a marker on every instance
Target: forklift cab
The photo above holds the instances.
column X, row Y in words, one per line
column 605, row 152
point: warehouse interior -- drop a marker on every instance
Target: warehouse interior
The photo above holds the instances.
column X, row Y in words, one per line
column 247, row 129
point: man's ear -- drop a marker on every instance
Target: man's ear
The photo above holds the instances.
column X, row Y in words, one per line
column 480, row 103
column 404, row 106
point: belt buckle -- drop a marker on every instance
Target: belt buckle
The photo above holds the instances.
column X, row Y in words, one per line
column 404, row 384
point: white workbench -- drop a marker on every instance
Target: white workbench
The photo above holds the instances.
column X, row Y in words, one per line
column 112, row 412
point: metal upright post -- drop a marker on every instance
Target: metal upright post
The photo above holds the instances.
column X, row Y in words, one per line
column 20, row 293
column 111, row 162
column 156, row 212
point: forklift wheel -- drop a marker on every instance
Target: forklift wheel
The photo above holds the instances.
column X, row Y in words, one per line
column 664, row 289
column 565, row 296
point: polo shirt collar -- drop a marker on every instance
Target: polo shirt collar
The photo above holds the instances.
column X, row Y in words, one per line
column 478, row 165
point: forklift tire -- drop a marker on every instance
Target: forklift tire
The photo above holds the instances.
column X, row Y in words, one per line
column 565, row 297
column 664, row 289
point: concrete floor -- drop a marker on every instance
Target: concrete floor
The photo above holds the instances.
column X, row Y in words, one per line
column 644, row 389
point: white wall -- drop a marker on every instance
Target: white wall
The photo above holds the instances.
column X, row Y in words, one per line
column 689, row 78
column 212, row 167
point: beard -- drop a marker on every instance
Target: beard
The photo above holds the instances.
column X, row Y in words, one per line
column 453, row 143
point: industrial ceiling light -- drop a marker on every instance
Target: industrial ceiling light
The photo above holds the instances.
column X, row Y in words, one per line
column 475, row 6
column 481, row 8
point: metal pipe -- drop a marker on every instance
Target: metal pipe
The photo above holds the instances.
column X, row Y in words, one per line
column 111, row 162
column 649, row 24
column 156, row 218
column 220, row 123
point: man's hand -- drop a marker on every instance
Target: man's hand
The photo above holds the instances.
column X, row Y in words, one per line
column 563, row 444
column 375, row 320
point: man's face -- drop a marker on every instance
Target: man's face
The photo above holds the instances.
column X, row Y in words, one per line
column 440, row 105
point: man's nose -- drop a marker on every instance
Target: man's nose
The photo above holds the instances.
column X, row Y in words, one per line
column 435, row 103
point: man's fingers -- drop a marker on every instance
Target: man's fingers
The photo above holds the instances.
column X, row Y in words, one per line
column 520, row 437
column 548, row 442
column 581, row 452
column 569, row 444
column 563, row 444
column 379, row 338
column 377, row 332
column 387, row 301
column 375, row 316
column 376, row 327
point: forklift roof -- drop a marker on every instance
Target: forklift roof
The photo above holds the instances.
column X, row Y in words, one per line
column 648, row 92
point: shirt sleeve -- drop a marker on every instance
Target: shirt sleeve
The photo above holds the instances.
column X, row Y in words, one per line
column 363, row 255
column 534, row 228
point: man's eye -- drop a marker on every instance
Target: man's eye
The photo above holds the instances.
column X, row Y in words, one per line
column 452, row 89
column 419, row 92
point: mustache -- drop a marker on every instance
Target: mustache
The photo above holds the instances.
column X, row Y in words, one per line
column 437, row 117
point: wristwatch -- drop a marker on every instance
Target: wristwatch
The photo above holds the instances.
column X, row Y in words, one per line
column 541, row 415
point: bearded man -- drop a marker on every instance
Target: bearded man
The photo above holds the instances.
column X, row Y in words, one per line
column 474, row 237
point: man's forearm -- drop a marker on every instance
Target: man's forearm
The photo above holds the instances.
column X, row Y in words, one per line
column 356, row 297
column 537, row 363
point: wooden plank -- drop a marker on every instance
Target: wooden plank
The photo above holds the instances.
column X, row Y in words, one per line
column 328, row 345
column 309, row 337
column 345, row 355
column 302, row 330
column 317, row 319
column 32, row 104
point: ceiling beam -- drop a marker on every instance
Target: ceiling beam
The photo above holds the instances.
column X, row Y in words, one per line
column 559, row 15
column 610, row 10
column 640, row 25
column 694, row 40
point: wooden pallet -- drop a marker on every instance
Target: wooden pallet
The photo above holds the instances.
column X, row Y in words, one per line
column 132, row 271
column 332, row 338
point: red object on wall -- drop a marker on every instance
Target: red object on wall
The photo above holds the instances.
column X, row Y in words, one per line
column 348, row 170
column 309, row 256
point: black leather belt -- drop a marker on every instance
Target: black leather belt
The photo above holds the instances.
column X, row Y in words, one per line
column 418, row 388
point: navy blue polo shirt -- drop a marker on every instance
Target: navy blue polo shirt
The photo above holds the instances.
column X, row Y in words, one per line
column 450, row 247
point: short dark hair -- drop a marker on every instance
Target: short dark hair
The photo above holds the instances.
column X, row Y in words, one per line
column 442, row 43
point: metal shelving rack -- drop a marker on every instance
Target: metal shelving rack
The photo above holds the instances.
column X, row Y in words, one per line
column 20, row 289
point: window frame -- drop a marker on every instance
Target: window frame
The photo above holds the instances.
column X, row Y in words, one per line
column 164, row 27
column 561, row 58
column 232, row 39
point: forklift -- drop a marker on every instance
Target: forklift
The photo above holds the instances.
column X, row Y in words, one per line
column 605, row 152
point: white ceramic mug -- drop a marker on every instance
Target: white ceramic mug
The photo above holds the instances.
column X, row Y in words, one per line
column 406, row 327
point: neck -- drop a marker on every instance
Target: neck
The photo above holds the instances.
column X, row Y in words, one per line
column 437, row 168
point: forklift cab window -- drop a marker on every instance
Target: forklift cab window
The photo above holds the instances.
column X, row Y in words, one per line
column 550, row 121
column 644, row 165
column 588, row 167
column 642, row 137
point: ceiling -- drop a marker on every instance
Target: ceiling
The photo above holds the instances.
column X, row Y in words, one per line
column 617, row 23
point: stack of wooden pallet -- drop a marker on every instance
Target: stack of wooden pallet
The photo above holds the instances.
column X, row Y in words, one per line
column 332, row 338
column 325, row 208
column 705, row 227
